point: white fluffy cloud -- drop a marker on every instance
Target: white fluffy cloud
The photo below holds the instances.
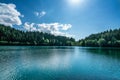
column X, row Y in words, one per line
column 9, row 16
column 29, row 27
column 40, row 14
column 52, row 28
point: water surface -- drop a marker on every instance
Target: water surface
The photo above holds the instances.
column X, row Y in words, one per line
column 59, row 63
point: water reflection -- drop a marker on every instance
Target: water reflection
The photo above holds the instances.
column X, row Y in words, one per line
column 109, row 52
column 59, row 63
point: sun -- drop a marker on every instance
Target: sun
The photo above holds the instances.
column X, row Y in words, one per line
column 75, row 2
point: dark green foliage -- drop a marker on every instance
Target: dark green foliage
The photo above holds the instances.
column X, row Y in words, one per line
column 11, row 36
column 109, row 38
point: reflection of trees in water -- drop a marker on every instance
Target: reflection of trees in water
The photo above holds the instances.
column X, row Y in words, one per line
column 110, row 52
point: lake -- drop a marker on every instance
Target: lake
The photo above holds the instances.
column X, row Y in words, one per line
column 59, row 63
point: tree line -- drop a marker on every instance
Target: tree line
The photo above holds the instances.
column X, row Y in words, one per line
column 109, row 38
column 12, row 36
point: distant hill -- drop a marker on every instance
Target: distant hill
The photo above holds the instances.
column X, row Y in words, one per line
column 110, row 38
column 11, row 36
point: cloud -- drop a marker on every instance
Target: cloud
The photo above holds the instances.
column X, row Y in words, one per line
column 40, row 14
column 29, row 27
column 52, row 28
column 9, row 16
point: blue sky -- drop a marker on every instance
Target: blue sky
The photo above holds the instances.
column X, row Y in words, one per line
column 79, row 18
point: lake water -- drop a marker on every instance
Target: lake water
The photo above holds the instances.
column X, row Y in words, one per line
column 59, row 63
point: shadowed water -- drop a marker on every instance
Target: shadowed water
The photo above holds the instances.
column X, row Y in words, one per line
column 59, row 63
